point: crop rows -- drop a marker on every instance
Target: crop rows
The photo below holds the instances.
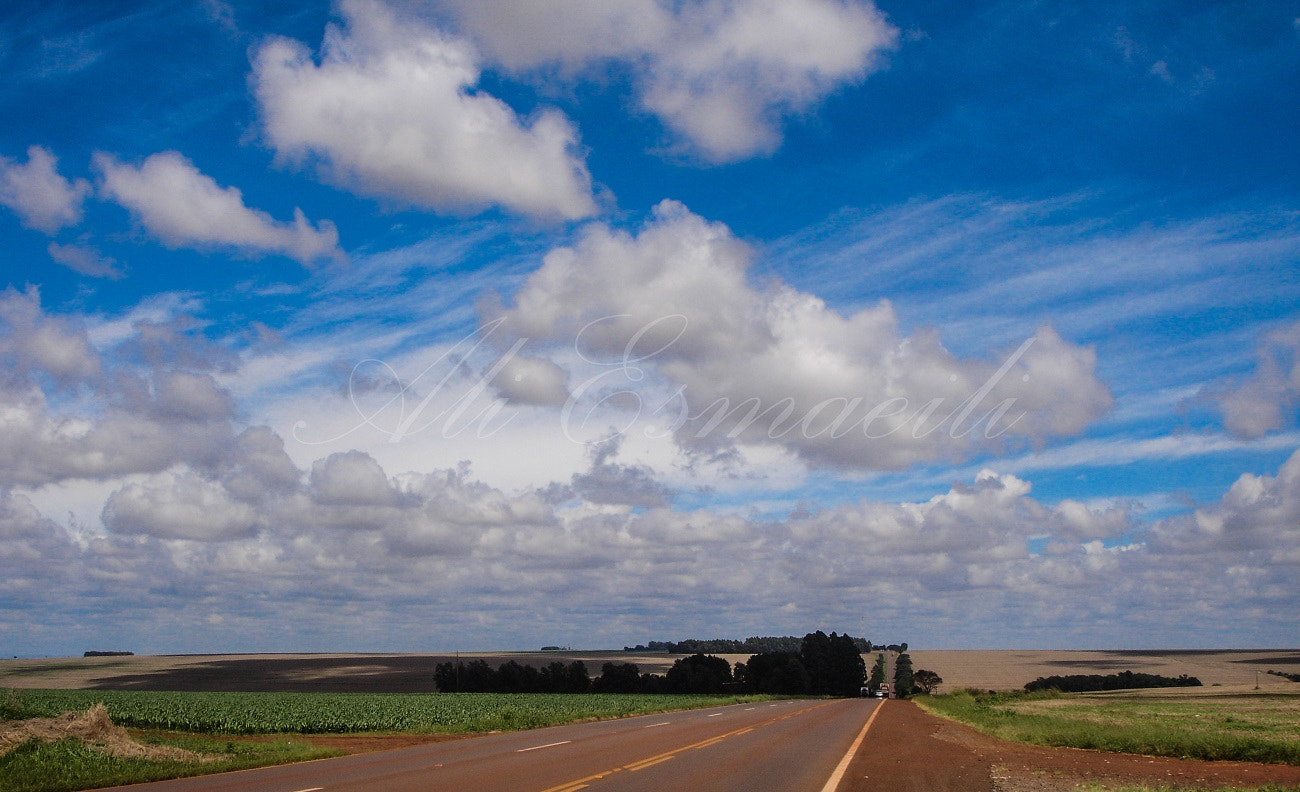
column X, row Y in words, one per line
column 314, row 713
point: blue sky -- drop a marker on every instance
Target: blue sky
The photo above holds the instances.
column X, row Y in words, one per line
column 389, row 326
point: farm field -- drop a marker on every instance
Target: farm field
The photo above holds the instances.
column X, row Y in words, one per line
column 413, row 673
column 337, row 713
column 1199, row 723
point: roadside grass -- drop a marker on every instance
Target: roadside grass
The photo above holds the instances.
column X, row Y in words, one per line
column 335, row 713
column 1140, row 788
column 69, row 765
column 1246, row 728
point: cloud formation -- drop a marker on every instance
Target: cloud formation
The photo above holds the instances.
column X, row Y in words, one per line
column 43, row 199
column 183, row 207
column 392, row 111
column 1267, row 400
column 723, row 76
column 776, row 366
column 85, row 260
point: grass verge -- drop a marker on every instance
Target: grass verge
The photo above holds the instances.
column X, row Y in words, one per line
column 69, row 765
column 1247, row 728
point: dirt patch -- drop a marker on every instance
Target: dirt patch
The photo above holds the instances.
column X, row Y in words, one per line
column 94, row 728
column 909, row 750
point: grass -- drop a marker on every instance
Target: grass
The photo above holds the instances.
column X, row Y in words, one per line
column 1247, row 728
column 1142, row 788
column 71, row 765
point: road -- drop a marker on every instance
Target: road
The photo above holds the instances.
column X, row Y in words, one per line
column 784, row 746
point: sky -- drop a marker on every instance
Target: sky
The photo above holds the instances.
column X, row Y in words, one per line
column 474, row 324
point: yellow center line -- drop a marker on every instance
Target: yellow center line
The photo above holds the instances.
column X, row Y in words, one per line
column 644, row 765
column 641, row 764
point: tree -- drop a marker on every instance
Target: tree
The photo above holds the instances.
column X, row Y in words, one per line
column 926, row 681
column 834, row 666
column 781, row 673
column 698, row 673
column 904, row 681
column 618, row 678
column 877, row 679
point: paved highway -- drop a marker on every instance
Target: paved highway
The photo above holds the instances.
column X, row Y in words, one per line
column 784, row 746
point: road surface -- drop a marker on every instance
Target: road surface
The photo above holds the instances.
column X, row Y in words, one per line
column 783, row 746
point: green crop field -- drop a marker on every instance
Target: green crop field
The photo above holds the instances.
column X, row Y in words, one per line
column 318, row 713
column 1245, row 727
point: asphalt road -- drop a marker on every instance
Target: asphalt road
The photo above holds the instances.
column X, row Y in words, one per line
column 785, row 746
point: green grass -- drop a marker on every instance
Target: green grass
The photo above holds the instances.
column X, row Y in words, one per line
column 71, row 765
column 1139, row 788
column 317, row 713
column 1247, row 728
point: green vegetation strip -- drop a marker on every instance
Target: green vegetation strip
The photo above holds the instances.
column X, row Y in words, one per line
column 318, row 713
column 1247, row 728
column 71, row 765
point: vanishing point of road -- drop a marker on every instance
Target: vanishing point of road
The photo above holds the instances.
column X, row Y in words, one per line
column 781, row 746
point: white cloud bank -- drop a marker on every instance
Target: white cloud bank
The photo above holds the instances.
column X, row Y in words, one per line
column 183, row 207
column 722, row 75
column 42, row 198
column 391, row 111
column 775, row 366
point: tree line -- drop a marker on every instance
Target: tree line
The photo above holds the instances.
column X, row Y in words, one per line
column 822, row 665
column 1124, row 680
column 752, row 645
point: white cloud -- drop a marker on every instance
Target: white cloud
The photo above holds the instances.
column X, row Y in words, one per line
column 391, row 111
column 86, row 260
column 1257, row 519
column 43, row 199
column 1267, row 400
column 179, row 506
column 35, row 342
column 182, row 207
column 722, row 75
column 777, row 366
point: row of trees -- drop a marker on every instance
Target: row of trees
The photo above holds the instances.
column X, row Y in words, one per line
column 1124, row 680
column 753, row 645
column 823, row 665
column 906, row 680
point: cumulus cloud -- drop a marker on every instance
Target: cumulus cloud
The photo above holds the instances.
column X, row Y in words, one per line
column 391, row 111
column 85, row 260
column 34, row 342
column 179, row 506
column 775, row 366
column 182, row 207
column 145, row 418
column 530, row 380
column 722, row 75
column 43, row 199
column 1267, row 400
column 1259, row 516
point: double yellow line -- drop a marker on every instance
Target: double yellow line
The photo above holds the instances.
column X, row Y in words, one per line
column 641, row 764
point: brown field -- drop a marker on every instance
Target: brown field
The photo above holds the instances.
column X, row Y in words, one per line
column 987, row 670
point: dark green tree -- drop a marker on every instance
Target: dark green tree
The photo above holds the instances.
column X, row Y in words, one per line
column 877, row 678
column 698, row 673
column 904, row 681
column 781, row 673
column 926, row 681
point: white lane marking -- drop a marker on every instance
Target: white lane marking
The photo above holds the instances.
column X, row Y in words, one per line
column 311, row 789
column 747, row 709
column 716, row 714
column 548, row 745
column 833, row 782
column 651, row 726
